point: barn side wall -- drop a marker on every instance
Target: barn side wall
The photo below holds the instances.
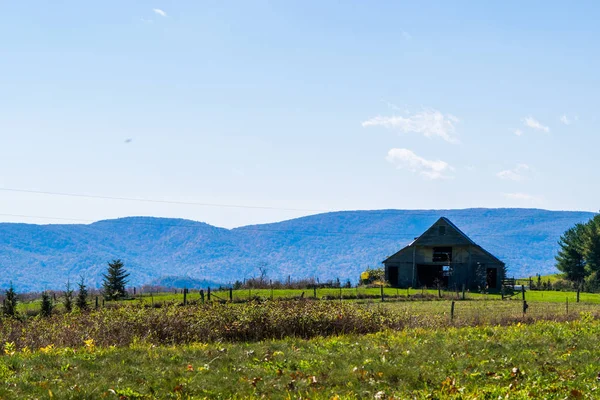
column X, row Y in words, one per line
column 469, row 266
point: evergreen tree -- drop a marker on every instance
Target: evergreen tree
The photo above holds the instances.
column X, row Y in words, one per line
column 47, row 306
column 68, row 299
column 592, row 247
column 571, row 258
column 10, row 302
column 115, row 280
column 82, row 294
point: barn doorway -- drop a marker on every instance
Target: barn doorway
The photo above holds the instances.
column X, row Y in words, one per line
column 393, row 276
column 492, row 278
column 430, row 275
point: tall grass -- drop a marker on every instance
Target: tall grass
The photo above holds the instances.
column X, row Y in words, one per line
column 248, row 322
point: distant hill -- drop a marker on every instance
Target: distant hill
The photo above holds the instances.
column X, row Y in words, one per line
column 327, row 246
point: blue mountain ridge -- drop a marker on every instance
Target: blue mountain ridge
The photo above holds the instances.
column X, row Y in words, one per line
column 325, row 246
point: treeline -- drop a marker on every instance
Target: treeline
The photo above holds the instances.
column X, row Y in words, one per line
column 579, row 255
column 113, row 288
column 262, row 282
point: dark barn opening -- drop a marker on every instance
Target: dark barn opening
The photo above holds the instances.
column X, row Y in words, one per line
column 492, row 277
column 442, row 254
column 393, row 275
column 429, row 275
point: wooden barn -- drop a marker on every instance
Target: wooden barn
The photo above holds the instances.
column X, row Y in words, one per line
column 443, row 255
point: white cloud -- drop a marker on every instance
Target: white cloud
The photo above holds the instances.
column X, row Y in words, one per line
column 406, row 159
column 160, row 12
column 406, row 35
column 522, row 197
column 518, row 132
column 535, row 124
column 427, row 122
column 515, row 174
column 565, row 120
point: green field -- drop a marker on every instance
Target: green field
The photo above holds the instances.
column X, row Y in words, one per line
column 544, row 360
column 330, row 294
column 412, row 345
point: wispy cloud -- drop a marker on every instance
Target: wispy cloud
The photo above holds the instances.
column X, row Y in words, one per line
column 160, row 12
column 518, row 132
column 515, row 174
column 406, row 35
column 428, row 122
column 406, row 159
column 565, row 120
column 522, row 197
column 535, row 124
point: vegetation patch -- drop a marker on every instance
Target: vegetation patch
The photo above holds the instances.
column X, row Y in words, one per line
column 544, row 360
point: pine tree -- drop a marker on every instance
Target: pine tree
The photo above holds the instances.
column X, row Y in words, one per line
column 68, row 299
column 81, row 301
column 10, row 302
column 115, row 280
column 571, row 258
column 47, row 306
column 592, row 246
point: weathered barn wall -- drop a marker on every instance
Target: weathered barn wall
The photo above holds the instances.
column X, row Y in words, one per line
column 469, row 263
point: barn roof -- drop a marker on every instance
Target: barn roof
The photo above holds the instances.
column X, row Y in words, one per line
column 452, row 226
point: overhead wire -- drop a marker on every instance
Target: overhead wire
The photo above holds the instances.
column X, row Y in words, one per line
column 456, row 212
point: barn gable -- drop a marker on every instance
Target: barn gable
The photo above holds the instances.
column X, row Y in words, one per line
column 443, row 232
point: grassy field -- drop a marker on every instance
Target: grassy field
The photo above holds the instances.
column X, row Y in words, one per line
column 347, row 294
column 544, row 360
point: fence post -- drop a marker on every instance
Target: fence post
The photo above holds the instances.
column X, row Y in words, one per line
column 96, row 302
column 463, row 291
column 567, row 306
column 271, row 284
column 184, row 296
column 382, row 296
column 525, row 307
column 578, row 289
column 523, row 291
column 230, row 294
column 208, row 294
column 452, row 311
column 439, row 292
column 315, row 291
column 340, row 293
column 202, row 295
column 134, row 293
column 502, row 292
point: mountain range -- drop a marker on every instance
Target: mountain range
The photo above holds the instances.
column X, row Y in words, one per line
column 325, row 246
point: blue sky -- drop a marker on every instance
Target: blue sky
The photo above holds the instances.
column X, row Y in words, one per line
column 310, row 105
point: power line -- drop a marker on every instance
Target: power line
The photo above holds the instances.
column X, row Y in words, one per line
column 454, row 213
column 187, row 203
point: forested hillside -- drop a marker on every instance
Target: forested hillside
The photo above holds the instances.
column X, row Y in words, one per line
column 327, row 246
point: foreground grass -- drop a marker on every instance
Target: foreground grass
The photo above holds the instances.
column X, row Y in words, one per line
column 123, row 325
column 545, row 360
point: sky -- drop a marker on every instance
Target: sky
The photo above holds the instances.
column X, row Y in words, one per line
column 289, row 108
